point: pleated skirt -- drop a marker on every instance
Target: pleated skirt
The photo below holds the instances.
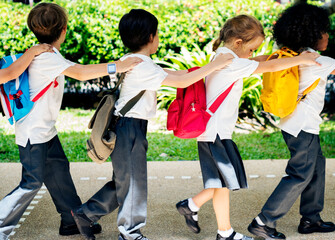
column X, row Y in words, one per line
column 221, row 165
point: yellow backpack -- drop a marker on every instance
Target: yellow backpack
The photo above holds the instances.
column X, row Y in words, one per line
column 279, row 95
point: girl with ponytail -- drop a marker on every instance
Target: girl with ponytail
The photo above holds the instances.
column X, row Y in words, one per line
column 221, row 164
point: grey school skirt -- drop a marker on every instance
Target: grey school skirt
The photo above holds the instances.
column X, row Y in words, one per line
column 221, row 165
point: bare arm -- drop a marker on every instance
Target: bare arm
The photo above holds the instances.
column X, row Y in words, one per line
column 260, row 58
column 21, row 64
column 283, row 63
column 333, row 72
column 179, row 72
column 91, row 71
column 186, row 79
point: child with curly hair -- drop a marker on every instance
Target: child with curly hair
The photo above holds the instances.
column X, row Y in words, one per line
column 301, row 27
column 221, row 164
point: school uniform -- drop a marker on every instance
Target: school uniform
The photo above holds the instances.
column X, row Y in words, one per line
column 220, row 161
column 128, row 188
column 306, row 167
column 41, row 154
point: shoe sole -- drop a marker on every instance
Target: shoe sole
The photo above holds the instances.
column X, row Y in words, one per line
column 183, row 213
column 76, row 219
column 70, row 233
column 314, row 231
column 259, row 233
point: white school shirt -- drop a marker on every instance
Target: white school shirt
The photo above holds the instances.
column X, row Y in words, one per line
column 145, row 76
column 306, row 116
column 39, row 125
column 223, row 121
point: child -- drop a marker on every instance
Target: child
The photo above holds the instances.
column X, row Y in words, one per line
column 128, row 188
column 221, row 164
column 41, row 154
column 21, row 64
column 301, row 27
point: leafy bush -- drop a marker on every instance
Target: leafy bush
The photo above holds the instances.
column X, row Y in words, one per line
column 92, row 36
column 93, row 25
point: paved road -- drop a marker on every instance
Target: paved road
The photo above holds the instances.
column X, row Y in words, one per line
column 169, row 182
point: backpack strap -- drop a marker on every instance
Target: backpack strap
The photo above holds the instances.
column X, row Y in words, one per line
column 41, row 93
column 309, row 89
column 216, row 104
column 1, row 111
column 5, row 102
column 131, row 103
column 284, row 51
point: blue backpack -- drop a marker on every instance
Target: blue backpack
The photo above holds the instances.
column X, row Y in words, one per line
column 14, row 95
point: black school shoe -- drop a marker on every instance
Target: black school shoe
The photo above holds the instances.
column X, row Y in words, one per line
column 68, row 230
column 84, row 224
column 184, row 210
column 306, row 226
column 264, row 231
column 231, row 237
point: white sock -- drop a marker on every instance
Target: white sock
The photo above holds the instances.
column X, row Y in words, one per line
column 227, row 233
column 238, row 236
column 192, row 206
column 259, row 221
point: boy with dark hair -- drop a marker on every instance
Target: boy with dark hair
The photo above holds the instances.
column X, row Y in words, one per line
column 301, row 27
column 41, row 154
column 128, row 188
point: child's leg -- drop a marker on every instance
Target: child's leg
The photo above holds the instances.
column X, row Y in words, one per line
column 102, row 202
column 128, row 189
column 300, row 170
column 15, row 203
column 312, row 198
column 202, row 197
column 130, row 174
column 58, row 180
column 221, row 208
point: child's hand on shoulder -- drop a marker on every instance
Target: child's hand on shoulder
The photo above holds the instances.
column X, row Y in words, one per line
column 310, row 58
column 223, row 60
column 38, row 49
column 127, row 64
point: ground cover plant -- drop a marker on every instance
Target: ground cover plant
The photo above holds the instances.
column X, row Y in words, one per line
column 163, row 146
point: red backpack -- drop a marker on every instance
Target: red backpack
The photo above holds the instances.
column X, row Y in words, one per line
column 188, row 114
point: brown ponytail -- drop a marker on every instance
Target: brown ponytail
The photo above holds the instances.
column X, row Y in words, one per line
column 218, row 41
column 243, row 27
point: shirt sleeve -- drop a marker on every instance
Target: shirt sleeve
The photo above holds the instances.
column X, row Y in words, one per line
column 53, row 64
column 327, row 66
column 243, row 67
column 150, row 75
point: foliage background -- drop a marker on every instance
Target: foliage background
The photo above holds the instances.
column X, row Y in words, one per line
column 184, row 27
column 93, row 25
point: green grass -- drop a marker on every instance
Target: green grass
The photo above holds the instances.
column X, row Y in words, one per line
column 163, row 146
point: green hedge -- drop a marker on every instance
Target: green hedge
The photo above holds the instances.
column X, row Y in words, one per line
column 93, row 25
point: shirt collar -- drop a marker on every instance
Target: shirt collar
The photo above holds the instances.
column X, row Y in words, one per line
column 226, row 50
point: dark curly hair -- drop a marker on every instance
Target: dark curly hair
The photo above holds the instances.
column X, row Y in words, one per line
column 301, row 26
